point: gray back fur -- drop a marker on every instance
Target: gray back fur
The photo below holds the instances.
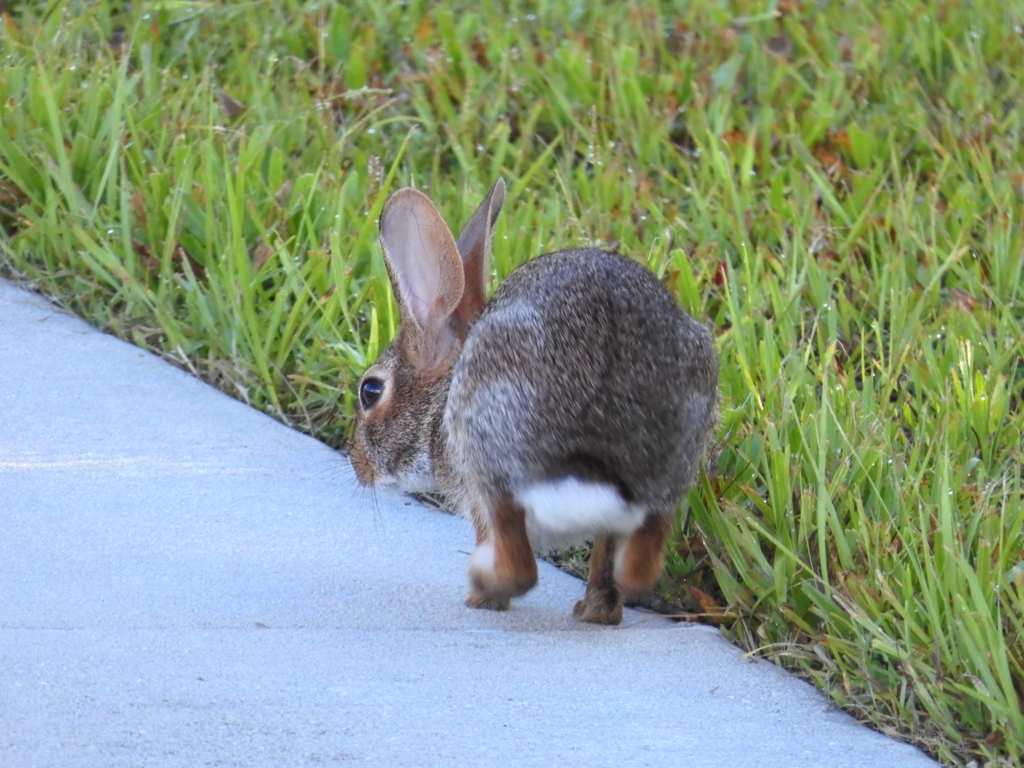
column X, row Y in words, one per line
column 583, row 364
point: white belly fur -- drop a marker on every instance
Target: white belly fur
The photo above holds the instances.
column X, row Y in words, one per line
column 569, row 510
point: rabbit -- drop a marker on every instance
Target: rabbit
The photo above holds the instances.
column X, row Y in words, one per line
column 575, row 405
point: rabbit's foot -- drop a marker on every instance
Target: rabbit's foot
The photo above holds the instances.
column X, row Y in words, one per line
column 477, row 599
column 602, row 603
column 599, row 606
column 495, row 575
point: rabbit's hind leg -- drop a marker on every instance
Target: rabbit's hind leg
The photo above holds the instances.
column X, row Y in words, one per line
column 502, row 567
column 476, row 598
column 638, row 560
column 602, row 603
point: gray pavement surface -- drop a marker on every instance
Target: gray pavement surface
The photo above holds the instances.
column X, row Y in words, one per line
column 185, row 582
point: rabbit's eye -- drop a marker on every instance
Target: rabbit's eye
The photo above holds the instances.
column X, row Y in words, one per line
column 369, row 393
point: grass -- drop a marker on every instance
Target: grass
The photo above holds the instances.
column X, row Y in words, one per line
column 836, row 187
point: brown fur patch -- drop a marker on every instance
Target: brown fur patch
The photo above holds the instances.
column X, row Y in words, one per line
column 638, row 568
column 515, row 567
column 480, row 531
column 514, row 563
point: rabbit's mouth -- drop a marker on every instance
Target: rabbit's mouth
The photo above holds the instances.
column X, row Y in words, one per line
column 361, row 465
column 416, row 477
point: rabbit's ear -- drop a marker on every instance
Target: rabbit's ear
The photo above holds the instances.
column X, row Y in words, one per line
column 425, row 269
column 474, row 248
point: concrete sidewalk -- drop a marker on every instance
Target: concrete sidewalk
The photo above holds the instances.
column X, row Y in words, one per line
column 185, row 582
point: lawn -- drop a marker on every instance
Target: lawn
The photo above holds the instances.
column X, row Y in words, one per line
column 836, row 187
